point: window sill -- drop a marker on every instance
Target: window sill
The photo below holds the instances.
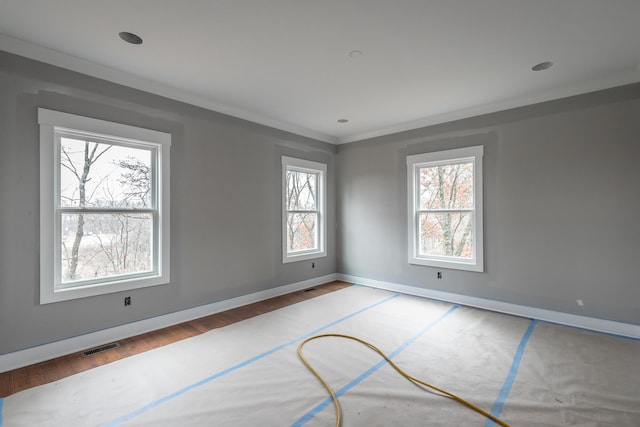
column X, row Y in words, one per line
column 85, row 291
column 303, row 257
column 453, row 265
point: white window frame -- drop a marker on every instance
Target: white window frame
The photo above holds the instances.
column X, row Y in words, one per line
column 291, row 163
column 51, row 123
column 414, row 163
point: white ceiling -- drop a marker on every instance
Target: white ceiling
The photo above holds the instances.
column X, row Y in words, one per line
column 286, row 63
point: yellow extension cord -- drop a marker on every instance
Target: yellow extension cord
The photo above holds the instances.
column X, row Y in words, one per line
column 396, row 367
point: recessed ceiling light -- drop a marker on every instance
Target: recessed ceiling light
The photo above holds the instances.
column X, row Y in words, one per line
column 343, row 120
column 542, row 66
column 355, row 53
column 130, row 37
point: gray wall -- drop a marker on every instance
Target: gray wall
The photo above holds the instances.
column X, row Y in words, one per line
column 225, row 204
column 561, row 205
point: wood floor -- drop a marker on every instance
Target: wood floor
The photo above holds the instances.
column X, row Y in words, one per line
column 53, row 370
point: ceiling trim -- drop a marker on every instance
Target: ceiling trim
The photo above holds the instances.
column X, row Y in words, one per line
column 73, row 63
column 565, row 92
column 53, row 57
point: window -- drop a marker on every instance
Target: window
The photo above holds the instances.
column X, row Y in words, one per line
column 445, row 209
column 104, row 207
column 303, row 218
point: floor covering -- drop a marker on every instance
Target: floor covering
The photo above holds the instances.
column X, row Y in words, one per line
column 525, row 372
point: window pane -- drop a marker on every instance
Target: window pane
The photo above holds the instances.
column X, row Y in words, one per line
column 301, row 232
column 446, row 234
column 301, row 190
column 104, row 175
column 105, row 245
column 447, row 186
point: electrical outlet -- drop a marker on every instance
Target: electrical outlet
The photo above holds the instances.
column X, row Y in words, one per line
column 313, row 265
column 127, row 301
column 439, row 275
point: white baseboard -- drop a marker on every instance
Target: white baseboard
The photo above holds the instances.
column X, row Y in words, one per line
column 44, row 352
column 573, row 320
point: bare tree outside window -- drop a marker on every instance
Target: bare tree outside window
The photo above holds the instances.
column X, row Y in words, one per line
column 105, row 206
column 303, row 209
column 80, row 171
column 105, row 196
column 302, row 214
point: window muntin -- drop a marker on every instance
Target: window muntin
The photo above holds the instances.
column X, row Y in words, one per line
column 303, row 209
column 104, row 207
column 445, row 209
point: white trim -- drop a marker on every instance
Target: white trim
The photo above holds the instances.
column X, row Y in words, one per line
column 321, row 170
column 59, row 59
column 566, row 319
column 472, row 154
column 52, row 350
column 101, row 127
column 607, row 82
column 50, row 122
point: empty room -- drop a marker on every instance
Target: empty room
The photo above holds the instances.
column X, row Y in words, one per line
column 319, row 213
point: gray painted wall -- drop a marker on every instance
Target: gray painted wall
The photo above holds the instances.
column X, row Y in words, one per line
column 561, row 206
column 225, row 204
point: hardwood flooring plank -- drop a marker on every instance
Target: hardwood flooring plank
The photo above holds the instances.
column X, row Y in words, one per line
column 6, row 383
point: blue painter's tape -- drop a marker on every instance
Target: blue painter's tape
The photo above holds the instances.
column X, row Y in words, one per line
column 511, row 376
column 313, row 412
column 1, row 400
column 239, row 365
